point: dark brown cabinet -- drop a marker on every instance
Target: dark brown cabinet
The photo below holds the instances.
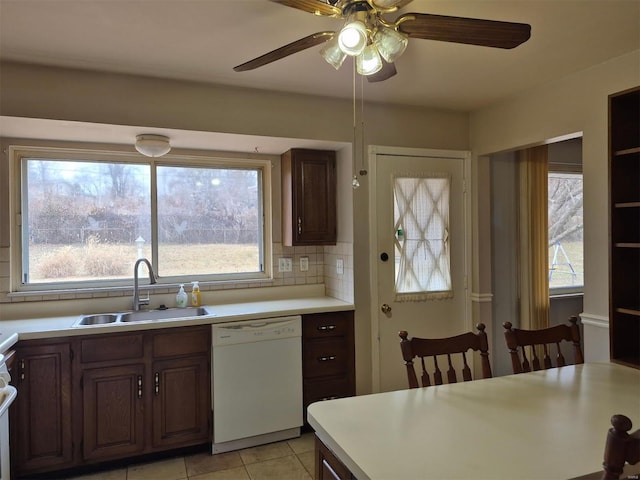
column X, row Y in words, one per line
column 624, row 203
column 112, row 377
column 327, row 465
column 105, row 397
column 309, row 197
column 41, row 434
column 328, row 356
column 181, row 402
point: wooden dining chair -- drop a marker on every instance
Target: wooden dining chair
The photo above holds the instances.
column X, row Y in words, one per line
column 620, row 448
column 435, row 347
column 539, row 341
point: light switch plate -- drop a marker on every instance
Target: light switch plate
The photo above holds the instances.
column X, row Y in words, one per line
column 304, row 264
column 285, row 264
column 340, row 266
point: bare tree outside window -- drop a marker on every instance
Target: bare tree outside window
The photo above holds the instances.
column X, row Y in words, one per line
column 566, row 259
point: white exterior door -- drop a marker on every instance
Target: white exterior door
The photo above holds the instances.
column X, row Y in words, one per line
column 420, row 239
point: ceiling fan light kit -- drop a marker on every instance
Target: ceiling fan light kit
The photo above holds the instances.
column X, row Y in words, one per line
column 390, row 43
column 333, row 54
column 152, row 145
column 367, row 27
column 369, row 61
column 352, row 39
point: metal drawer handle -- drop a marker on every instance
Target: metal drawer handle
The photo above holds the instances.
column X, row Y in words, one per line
column 157, row 383
column 139, row 386
column 326, row 327
column 333, row 397
column 327, row 358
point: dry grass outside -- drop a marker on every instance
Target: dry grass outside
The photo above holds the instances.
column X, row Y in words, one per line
column 70, row 263
column 562, row 276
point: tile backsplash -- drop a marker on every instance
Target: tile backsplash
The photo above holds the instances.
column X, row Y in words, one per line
column 323, row 268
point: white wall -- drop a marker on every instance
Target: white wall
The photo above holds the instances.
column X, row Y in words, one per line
column 577, row 103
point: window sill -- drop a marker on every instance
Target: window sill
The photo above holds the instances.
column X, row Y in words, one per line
column 564, row 295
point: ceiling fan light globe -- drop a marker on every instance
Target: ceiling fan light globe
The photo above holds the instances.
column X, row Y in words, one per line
column 369, row 61
column 152, row 145
column 352, row 39
column 390, row 43
column 332, row 53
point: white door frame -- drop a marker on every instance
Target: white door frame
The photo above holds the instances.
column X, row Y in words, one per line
column 374, row 151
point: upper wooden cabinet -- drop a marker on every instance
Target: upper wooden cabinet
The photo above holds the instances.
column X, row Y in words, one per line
column 308, row 197
column 624, row 239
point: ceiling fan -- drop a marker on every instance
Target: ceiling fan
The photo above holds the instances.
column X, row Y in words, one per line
column 376, row 42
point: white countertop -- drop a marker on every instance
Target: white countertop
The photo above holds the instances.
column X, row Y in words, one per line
column 13, row 330
column 543, row 425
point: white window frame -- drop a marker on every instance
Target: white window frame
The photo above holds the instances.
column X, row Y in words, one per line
column 18, row 153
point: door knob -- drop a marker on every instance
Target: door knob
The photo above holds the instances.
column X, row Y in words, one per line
column 385, row 308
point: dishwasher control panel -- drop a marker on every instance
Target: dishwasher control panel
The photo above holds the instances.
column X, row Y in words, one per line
column 256, row 330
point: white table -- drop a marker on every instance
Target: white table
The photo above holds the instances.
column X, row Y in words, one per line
column 542, row 425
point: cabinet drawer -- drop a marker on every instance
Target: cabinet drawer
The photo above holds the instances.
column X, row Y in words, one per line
column 319, row 390
column 325, row 357
column 181, row 342
column 100, row 348
column 321, row 325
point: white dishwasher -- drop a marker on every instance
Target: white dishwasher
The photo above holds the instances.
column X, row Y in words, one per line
column 257, row 382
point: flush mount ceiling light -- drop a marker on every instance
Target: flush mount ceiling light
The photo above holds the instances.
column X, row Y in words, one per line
column 152, row 145
column 366, row 24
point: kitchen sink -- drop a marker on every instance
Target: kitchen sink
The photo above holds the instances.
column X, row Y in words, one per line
column 169, row 313
column 141, row 316
column 98, row 319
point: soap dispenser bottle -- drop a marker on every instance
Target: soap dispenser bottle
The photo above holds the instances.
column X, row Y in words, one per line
column 195, row 295
column 181, row 297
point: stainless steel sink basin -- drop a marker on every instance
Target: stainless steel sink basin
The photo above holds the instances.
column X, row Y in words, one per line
column 100, row 319
column 140, row 316
column 168, row 314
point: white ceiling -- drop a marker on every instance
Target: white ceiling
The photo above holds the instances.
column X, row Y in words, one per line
column 203, row 40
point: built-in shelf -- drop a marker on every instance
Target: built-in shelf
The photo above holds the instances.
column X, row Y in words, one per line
column 627, row 151
column 624, row 231
column 629, row 311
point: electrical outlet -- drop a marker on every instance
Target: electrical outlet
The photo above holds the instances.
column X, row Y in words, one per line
column 285, row 264
column 340, row 266
column 304, row 264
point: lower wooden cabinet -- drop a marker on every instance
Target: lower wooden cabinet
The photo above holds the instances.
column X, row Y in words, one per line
column 105, row 397
column 327, row 465
column 181, row 405
column 328, row 357
column 40, row 417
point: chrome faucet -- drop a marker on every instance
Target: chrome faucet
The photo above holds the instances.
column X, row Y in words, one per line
column 137, row 301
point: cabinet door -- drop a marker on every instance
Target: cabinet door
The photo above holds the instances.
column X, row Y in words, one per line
column 309, row 197
column 113, row 422
column 41, row 420
column 181, row 401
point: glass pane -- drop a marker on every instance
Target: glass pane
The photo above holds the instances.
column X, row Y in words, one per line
column 209, row 221
column 421, row 215
column 565, row 230
column 82, row 219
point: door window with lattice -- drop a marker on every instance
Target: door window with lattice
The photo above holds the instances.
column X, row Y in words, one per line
column 421, row 223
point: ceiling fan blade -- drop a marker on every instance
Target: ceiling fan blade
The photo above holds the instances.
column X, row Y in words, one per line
column 313, row 6
column 289, row 49
column 388, row 70
column 472, row 31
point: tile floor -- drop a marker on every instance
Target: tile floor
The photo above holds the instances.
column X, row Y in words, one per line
column 289, row 460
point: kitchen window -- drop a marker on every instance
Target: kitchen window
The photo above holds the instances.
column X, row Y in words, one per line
column 86, row 217
column 565, row 219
